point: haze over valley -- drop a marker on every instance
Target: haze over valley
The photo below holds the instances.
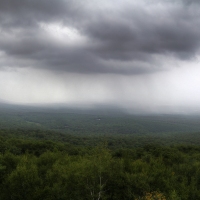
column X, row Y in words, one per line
column 139, row 56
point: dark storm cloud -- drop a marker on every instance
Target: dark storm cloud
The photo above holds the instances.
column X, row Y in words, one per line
column 129, row 39
column 22, row 13
column 136, row 35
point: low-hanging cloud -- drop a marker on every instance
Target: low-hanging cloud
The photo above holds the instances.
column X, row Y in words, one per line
column 138, row 55
column 131, row 38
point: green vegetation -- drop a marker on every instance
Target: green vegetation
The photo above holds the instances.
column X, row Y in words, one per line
column 88, row 122
column 53, row 155
column 31, row 169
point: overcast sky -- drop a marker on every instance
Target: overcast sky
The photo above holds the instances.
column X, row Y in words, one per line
column 138, row 55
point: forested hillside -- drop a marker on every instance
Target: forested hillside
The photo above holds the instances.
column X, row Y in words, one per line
column 69, row 155
column 95, row 122
column 31, row 169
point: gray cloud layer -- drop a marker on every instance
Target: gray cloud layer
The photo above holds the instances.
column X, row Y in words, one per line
column 125, row 38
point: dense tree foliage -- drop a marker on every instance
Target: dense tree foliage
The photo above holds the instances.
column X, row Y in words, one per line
column 69, row 156
column 40, row 169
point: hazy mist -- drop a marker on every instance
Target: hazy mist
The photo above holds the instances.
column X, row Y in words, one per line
column 139, row 56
